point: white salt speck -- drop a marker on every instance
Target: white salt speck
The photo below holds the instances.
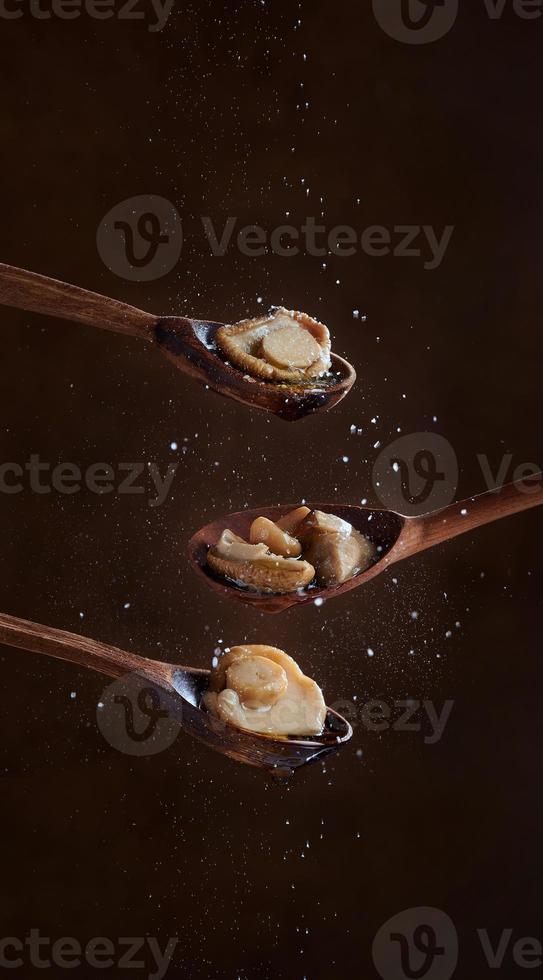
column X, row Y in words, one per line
column 448, row 635
column 82, row 615
column 376, row 444
column 173, row 446
column 356, row 313
column 394, row 581
column 370, row 652
column 126, row 605
column 100, row 704
column 345, row 459
column 318, row 602
column 396, row 467
column 73, row 695
column 359, row 753
column 463, row 512
column 364, row 501
column 352, row 430
column 259, row 299
column 214, row 661
column 414, row 615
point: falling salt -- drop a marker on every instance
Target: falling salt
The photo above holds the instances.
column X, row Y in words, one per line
column 345, row 459
column 318, row 602
column 414, row 615
column 448, row 635
column 463, row 512
column 73, row 695
column 370, row 652
column 126, row 605
column 173, row 446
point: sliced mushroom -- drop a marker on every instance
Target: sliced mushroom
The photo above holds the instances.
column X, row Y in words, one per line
column 278, row 541
column 283, row 346
column 291, row 521
column 255, row 566
column 262, row 689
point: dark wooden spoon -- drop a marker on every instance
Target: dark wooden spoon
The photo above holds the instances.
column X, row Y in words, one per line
column 180, row 690
column 395, row 537
column 188, row 344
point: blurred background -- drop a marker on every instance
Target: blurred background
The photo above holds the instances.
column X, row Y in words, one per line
column 272, row 113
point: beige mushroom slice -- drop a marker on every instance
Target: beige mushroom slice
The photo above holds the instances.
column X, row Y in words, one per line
column 290, row 347
column 255, row 566
column 264, row 531
column 261, row 689
column 283, row 346
column 291, row 521
column 258, row 681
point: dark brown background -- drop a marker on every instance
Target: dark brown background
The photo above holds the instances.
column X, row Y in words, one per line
column 186, row 843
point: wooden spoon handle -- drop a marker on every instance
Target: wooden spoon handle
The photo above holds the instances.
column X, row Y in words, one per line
column 78, row 649
column 29, row 291
column 474, row 512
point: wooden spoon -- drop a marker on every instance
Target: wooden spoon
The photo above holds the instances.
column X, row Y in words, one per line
column 395, row 536
column 180, row 690
column 188, row 344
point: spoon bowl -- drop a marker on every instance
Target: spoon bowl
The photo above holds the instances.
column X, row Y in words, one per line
column 394, row 536
column 188, row 344
column 179, row 692
column 264, row 751
column 382, row 527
